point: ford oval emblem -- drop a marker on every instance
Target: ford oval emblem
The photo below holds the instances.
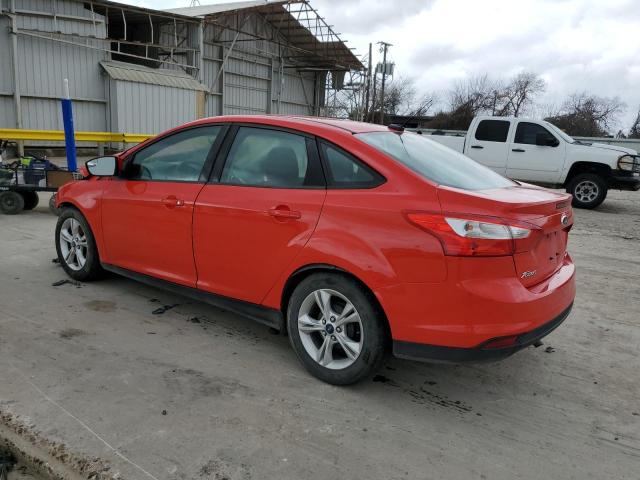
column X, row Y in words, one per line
column 564, row 219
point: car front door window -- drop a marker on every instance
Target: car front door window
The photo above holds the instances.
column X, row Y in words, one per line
column 177, row 158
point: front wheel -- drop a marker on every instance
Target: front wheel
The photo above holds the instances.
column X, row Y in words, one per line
column 76, row 246
column 588, row 189
column 336, row 328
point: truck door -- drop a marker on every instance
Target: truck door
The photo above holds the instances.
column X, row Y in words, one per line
column 535, row 154
column 488, row 144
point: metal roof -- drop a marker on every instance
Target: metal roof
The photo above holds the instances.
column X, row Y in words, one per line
column 204, row 10
column 313, row 42
column 137, row 73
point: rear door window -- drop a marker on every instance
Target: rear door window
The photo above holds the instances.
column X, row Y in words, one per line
column 262, row 157
column 492, row 130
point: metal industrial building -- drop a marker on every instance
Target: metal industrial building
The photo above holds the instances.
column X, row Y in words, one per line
column 138, row 70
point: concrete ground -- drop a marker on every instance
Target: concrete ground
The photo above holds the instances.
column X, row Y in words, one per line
column 197, row 393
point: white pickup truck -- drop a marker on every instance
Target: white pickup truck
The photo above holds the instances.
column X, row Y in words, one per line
column 538, row 152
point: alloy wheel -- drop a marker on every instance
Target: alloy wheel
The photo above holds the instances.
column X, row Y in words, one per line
column 586, row 191
column 330, row 329
column 73, row 244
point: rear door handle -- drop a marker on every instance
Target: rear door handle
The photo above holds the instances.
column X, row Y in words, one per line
column 284, row 212
column 477, row 146
column 172, row 201
column 520, row 150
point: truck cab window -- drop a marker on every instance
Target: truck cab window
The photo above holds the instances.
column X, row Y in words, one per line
column 492, row 130
column 527, row 132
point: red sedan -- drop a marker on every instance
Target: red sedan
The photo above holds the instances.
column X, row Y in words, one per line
column 355, row 239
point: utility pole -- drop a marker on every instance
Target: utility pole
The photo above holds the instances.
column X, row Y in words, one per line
column 368, row 87
column 385, row 46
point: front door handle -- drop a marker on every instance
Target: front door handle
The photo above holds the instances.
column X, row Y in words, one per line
column 477, row 146
column 520, row 150
column 172, row 201
column 284, row 212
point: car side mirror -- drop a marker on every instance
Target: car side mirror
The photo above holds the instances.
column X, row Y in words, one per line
column 544, row 140
column 102, row 166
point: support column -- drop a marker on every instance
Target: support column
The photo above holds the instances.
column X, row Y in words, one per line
column 16, row 88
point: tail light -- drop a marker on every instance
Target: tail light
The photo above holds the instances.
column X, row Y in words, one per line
column 472, row 236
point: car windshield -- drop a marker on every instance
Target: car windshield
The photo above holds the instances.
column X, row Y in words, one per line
column 434, row 161
column 555, row 129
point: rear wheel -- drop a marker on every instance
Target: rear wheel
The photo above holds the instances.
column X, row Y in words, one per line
column 31, row 200
column 336, row 328
column 76, row 246
column 588, row 189
column 11, row 203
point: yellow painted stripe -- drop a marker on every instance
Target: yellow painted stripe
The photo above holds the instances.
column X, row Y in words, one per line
column 58, row 135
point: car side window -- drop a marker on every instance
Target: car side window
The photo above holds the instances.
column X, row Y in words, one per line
column 263, row 157
column 345, row 171
column 179, row 157
column 527, row 133
column 492, row 130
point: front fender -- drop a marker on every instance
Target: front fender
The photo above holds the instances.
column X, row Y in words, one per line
column 85, row 196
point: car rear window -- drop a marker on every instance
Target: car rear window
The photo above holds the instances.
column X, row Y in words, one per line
column 434, row 161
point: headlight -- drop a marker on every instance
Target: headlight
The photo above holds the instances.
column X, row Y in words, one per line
column 629, row 163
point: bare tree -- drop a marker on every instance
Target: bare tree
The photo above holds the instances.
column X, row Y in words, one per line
column 584, row 114
column 401, row 98
column 520, row 92
column 634, row 131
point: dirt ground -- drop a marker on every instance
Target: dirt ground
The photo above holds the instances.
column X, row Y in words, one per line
column 198, row 393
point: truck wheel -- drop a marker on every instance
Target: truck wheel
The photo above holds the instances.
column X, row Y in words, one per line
column 588, row 189
column 11, row 203
column 31, row 200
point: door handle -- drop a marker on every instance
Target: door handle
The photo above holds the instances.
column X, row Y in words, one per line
column 520, row 150
column 172, row 202
column 284, row 212
column 477, row 146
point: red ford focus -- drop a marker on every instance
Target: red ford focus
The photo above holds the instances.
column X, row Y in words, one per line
column 355, row 239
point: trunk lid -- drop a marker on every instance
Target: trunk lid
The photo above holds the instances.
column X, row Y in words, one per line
column 549, row 213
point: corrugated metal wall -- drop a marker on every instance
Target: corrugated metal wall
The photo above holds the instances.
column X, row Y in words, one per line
column 145, row 108
column 44, row 64
column 252, row 81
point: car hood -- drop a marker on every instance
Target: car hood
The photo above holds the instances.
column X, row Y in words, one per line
column 613, row 148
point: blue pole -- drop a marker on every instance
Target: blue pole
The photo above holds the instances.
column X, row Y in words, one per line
column 69, row 136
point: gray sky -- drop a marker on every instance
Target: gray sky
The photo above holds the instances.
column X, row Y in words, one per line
column 575, row 45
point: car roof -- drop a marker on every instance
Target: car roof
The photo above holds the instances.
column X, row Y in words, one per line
column 301, row 122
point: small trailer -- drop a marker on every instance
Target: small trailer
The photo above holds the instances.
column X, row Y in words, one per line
column 20, row 182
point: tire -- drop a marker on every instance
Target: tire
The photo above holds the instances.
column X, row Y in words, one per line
column 31, row 200
column 588, row 190
column 79, row 238
column 11, row 203
column 52, row 205
column 357, row 347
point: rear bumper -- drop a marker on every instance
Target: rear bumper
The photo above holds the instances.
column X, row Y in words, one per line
column 480, row 300
column 436, row 353
column 624, row 182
